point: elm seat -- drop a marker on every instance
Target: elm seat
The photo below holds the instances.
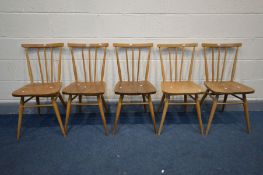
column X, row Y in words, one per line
column 134, row 88
column 38, row 89
column 228, row 87
column 181, row 88
column 84, row 88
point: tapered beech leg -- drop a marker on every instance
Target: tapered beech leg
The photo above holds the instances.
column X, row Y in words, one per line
column 152, row 113
column 245, row 105
column 106, row 131
column 55, row 106
column 20, row 116
column 118, row 110
column 68, row 112
column 198, row 111
column 166, row 104
column 212, row 113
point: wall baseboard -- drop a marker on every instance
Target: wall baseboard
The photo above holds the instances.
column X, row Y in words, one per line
column 12, row 108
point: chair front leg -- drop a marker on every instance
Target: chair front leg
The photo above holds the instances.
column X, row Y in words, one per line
column 212, row 113
column 55, row 106
column 118, row 110
column 68, row 112
column 152, row 112
column 245, row 105
column 20, row 116
column 198, row 111
column 106, row 131
column 166, row 104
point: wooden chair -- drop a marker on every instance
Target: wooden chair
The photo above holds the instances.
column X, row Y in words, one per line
column 50, row 80
column 175, row 85
column 219, row 83
column 93, row 84
column 137, row 83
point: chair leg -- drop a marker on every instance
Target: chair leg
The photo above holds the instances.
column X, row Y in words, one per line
column 152, row 113
column 204, row 96
column 185, row 101
column 144, row 105
column 68, row 112
column 38, row 103
column 212, row 113
column 198, row 111
column 104, row 104
column 20, row 116
column 55, row 106
column 225, row 99
column 245, row 105
column 161, row 103
column 62, row 100
column 106, row 131
column 118, row 110
column 166, row 104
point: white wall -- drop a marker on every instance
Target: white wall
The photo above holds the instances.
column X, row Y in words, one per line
column 157, row 21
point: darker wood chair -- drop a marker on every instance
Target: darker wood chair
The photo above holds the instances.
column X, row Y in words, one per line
column 175, row 84
column 219, row 83
column 49, row 72
column 93, row 84
column 137, row 83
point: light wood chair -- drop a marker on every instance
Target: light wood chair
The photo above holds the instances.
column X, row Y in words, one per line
column 50, row 80
column 174, row 84
column 219, row 83
column 137, row 83
column 93, row 84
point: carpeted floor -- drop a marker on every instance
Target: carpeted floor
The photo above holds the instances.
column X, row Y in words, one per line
column 135, row 149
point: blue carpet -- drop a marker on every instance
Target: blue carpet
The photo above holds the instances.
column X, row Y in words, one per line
column 135, row 149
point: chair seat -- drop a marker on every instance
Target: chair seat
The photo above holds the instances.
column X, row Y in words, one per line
column 181, row 87
column 85, row 88
column 38, row 89
column 229, row 87
column 134, row 88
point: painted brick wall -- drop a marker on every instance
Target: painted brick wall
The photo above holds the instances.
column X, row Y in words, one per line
column 157, row 21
